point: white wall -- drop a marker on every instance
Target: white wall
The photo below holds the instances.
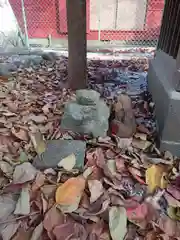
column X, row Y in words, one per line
column 8, row 26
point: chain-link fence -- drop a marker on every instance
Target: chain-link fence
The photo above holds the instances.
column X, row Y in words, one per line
column 117, row 22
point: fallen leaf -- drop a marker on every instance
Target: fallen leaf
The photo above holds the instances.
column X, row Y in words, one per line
column 39, row 182
column 117, row 222
column 6, row 168
column 12, row 107
column 37, row 232
column 141, row 136
column 23, row 203
column 141, row 144
column 98, row 207
column 68, row 162
column 53, row 218
column 23, row 157
column 44, row 204
column 88, row 172
column 112, row 166
column 123, row 143
column 173, row 213
column 171, row 200
column 68, row 195
column 38, row 118
column 38, row 142
column 45, row 108
column 24, row 172
column 169, row 226
column 70, row 231
column 7, row 206
column 49, row 191
column 155, row 177
column 9, row 114
column 20, row 134
column 174, row 191
column 22, row 234
column 120, row 166
column 8, row 230
column 96, row 189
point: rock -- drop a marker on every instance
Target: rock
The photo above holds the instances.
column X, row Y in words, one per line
column 87, row 119
column 59, row 149
column 87, row 97
column 50, row 56
column 6, row 69
column 26, row 60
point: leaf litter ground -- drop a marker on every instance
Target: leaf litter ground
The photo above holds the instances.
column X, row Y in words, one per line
column 128, row 189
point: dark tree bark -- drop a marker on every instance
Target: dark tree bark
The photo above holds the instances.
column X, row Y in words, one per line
column 76, row 19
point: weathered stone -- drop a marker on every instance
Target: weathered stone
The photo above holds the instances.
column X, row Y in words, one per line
column 59, row 149
column 7, row 68
column 26, row 60
column 87, row 97
column 51, row 56
column 87, row 119
column 161, row 83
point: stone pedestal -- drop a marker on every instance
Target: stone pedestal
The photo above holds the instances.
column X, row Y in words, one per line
column 162, row 81
column 87, row 115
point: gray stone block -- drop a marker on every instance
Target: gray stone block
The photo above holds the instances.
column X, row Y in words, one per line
column 26, row 60
column 87, row 97
column 86, row 119
column 6, row 69
column 161, row 84
column 59, row 149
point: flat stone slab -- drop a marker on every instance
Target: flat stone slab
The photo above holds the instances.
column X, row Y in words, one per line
column 59, row 149
column 161, row 84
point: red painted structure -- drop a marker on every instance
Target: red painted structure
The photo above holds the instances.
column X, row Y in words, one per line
column 46, row 17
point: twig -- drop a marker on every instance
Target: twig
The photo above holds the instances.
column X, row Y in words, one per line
column 18, row 218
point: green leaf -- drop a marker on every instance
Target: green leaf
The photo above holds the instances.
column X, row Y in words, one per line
column 117, row 222
column 23, row 157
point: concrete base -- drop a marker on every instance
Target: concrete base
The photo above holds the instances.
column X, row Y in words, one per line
column 161, row 82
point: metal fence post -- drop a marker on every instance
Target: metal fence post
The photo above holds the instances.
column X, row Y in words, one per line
column 25, row 24
column 99, row 21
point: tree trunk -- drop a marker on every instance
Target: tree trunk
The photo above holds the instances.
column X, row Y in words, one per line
column 76, row 19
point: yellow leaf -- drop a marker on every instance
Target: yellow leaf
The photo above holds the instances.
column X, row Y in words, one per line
column 68, row 162
column 174, row 213
column 69, row 194
column 155, row 177
column 38, row 142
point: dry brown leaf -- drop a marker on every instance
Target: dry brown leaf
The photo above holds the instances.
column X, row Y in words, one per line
column 37, row 232
column 96, row 189
column 141, row 136
column 9, row 114
column 141, row 144
column 53, row 218
column 20, row 134
column 6, row 168
column 169, row 226
column 68, row 195
column 12, row 107
column 46, row 108
column 38, row 118
column 39, row 182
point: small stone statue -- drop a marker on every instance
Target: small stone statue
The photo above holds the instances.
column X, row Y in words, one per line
column 87, row 115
